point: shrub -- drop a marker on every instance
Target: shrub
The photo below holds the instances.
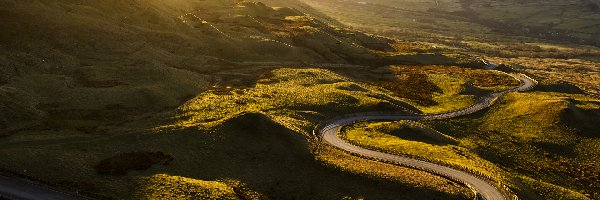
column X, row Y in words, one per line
column 413, row 85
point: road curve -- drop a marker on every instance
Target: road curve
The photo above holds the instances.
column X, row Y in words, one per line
column 328, row 132
column 18, row 189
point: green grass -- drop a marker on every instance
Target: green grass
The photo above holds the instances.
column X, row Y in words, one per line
column 563, row 15
column 436, row 89
column 390, row 137
column 549, row 191
column 293, row 97
column 164, row 53
column 297, row 97
column 163, row 186
column 488, row 28
column 536, row 143
column 581, row 73
column 531, row 132
column 420, row 179
column 253, row 134
column 95, row 80
column 251, row 148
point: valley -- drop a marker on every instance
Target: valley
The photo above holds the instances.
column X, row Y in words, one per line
column 299, row 99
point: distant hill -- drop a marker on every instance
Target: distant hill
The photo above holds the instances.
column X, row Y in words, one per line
column 576, row 21
column 63, row 60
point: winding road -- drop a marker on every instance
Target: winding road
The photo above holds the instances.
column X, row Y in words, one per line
column 329, row 133
column 13, row 188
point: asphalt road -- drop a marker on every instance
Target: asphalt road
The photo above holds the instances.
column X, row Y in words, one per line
column 18, row 189
column 329, row 132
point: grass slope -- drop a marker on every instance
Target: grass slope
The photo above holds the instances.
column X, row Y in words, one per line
column 436, row 89
column 258, row 142
column 297, row 98
column 94, row 64
column 162, row 186
column 573, row 21
column 536, row 142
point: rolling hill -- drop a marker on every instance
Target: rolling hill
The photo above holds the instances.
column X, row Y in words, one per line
column 88, row 87
column 99, row 62
column 147, row 99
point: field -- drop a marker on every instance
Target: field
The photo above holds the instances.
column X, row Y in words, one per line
column 538, row 141
column 164, row 53
column 162, row 186
column 508, row 29
column 436, row 89
column 573, row 76
column 218, row 99
column 242, row 134
column 542, row 142
column 292, row 97
column 100, row 100
column 571, row 21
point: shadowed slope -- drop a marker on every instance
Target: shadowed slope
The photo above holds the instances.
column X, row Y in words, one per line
column 76, row 59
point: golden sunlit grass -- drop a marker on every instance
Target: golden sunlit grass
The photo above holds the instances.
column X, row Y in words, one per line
column 237, row 124
column 252, row 148
column 582, row 73
column 475, row 26
column 293, row 97
column 452, row 96
column 162, row 186
column 392, row 137
column 84, row 86
column 436, row 89
column 530, row 116
column 404, row 175
column 550, row 191
column 540, row 140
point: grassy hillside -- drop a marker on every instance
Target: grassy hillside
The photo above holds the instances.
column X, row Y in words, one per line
column 573, row 20
column 572, row 76
column 541, row 144
column 436, row 89
column 538, row 142
column 293, row 97
column 89, row 64
column 253, row 135
column 93, row 98
column 162, row 186
column 218, row 98
column 534, row 29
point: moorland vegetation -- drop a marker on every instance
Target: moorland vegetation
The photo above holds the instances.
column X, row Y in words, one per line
column 218, row 99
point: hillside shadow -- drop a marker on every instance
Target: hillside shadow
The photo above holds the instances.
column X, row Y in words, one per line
column 559, row 87
column 420, row 135
column 277, row 162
